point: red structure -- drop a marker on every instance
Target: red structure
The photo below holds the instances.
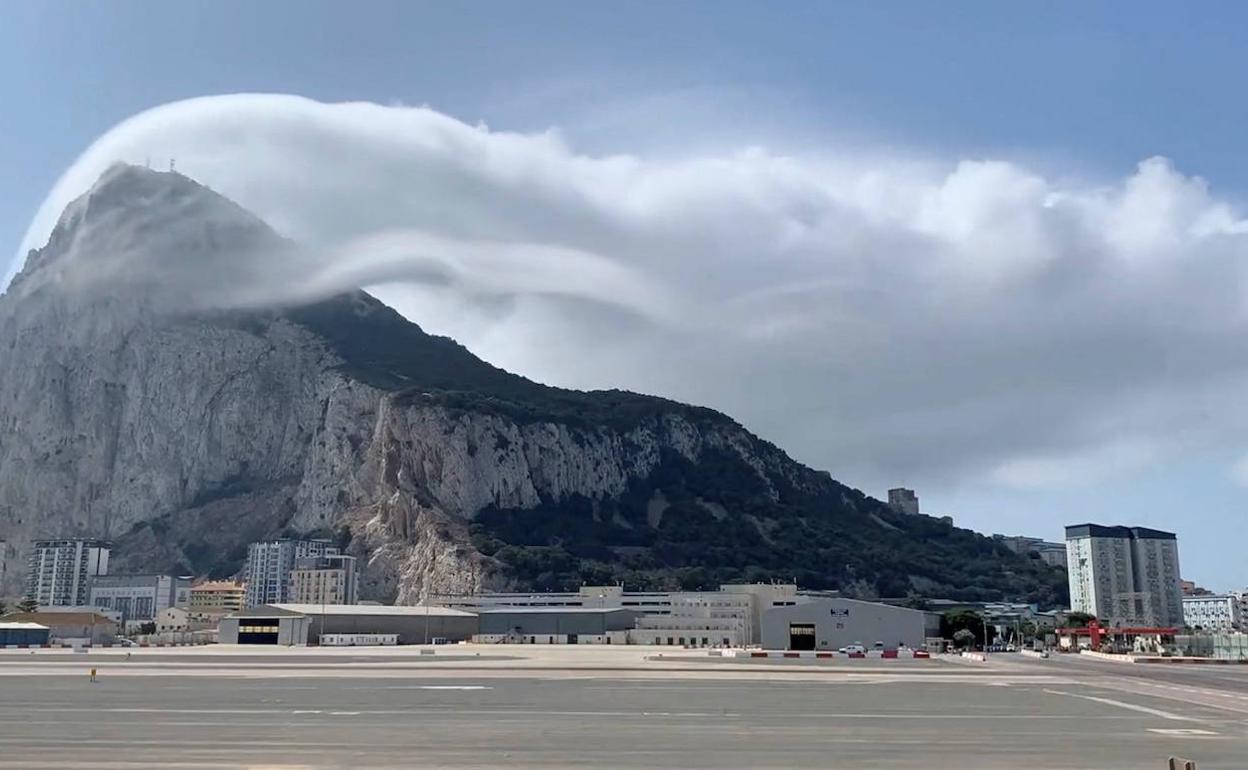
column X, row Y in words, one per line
column 1097, row 633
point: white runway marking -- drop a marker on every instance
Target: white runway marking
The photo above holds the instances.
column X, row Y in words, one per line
column 1181, row 732
column 450, row 687
column 1124, row 705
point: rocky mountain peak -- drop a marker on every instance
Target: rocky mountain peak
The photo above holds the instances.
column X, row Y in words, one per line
column 153, row 235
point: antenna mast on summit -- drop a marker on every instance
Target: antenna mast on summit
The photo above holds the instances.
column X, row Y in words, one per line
column 173, row 164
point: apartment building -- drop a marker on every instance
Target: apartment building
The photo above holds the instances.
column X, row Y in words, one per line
column 217, row 597
column 270, row 563
column 59, row 572
column 324, row 580
column 1126, row 576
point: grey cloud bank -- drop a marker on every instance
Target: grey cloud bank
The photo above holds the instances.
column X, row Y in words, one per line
column 879, row 317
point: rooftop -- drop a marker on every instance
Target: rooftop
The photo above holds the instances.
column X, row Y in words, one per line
column 1129, row 533
column 219, row 585
column 352, row 609
column 552, row 610
column 58, row 618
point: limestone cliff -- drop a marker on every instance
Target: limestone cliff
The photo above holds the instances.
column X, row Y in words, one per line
column 141, row 403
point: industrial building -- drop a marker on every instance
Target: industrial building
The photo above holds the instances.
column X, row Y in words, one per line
column 555, row 625
column 59, row 572
column 728, row 617
column 832, row 623
column 303, row 624
column 1126, row 576
column 70, row 627
column 22, row 634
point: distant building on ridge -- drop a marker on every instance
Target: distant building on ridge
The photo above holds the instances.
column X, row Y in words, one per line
column 903, row 500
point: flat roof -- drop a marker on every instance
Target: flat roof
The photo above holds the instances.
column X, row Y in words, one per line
column 553, row 610
column 22, row 627
column 367, row 609
column 1127, row 533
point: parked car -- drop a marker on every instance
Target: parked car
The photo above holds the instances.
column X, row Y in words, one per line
column 854, row 649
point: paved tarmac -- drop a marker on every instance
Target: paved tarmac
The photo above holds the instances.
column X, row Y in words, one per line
column 557, row 708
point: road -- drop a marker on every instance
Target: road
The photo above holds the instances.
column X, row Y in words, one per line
column 561, row 708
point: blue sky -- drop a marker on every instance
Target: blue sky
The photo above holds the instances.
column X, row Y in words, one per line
column 1071, row 92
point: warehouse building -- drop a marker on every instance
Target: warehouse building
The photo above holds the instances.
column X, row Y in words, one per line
column 70, row 627
column 832, row 623
column 728, row 617
column 556, row 625
column 303, row 624
column 23, row 634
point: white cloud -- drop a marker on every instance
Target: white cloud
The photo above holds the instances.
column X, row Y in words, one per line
column 878, row 316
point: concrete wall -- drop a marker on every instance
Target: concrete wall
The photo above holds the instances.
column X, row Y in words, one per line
column 410, row 629
column 306, row 629
column 611, row 637
column 24, row 636
column 840, row 622
column 529, row 623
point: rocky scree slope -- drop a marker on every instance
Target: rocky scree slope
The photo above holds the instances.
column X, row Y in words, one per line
column 134, row 407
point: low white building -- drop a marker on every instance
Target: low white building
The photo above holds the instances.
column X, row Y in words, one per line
column 729, row 617
column 139, row 598
column 1215, row 613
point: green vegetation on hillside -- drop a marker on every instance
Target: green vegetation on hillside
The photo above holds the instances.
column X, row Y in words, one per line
column 720, row 523
column 385, row 350
column 719, row 526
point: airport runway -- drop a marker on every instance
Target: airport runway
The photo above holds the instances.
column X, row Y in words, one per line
column 406, row 712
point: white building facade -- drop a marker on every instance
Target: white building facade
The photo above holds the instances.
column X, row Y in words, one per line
column 59, row 572
column 1125, row 576
column 729, row 617
column 270, row 563
column 1214, row 613
column 139, row 598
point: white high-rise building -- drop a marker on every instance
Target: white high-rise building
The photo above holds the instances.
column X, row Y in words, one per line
column 1125, row 576
column 270, row 563
column 59, row 572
